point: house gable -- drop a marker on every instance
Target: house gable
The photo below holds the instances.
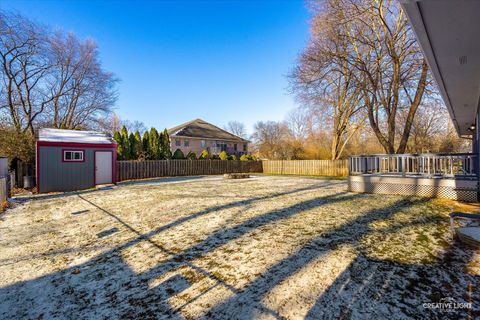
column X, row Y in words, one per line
column 201, row 129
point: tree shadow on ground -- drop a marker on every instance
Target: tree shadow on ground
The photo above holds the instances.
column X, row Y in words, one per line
column 107, row 287
column 365, row 289
column 179, row 221
column 58, row 195
column 148, row 181
column 105, row 281
column 378, row 289
column 154, row 181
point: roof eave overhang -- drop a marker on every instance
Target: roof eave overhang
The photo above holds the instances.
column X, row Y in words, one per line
column 415, row 18
column 42, row 143
column 204, row 138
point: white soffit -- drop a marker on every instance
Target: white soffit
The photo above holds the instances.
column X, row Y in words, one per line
column 449, row 34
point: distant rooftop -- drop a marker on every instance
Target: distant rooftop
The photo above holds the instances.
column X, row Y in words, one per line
column 73, row 136
column 199, row 128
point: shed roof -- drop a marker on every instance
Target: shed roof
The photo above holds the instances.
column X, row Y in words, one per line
column 73, row 136
column 199, row 128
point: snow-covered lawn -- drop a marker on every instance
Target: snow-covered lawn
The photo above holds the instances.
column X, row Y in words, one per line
column 265, row 247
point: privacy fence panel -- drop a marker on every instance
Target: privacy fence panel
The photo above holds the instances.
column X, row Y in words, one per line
column 131, row 170
column 334, row 168
column 12, row 180
column 3, row 189
column 23, row 169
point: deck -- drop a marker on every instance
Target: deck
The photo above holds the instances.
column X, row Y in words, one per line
column 449, row 176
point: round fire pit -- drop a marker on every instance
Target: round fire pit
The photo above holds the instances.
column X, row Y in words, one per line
column 236, row 176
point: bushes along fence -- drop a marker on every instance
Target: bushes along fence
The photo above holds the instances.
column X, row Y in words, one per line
column 130, row 170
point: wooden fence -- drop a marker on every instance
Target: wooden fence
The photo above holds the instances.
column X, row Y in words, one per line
column 12, row 180
column 22, row 169
column 130, row 170
column 334, row 168
column 7, row 183
column 4, row 189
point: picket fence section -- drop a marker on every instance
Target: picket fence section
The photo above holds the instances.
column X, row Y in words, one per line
column 334, row 168
column 131, row 169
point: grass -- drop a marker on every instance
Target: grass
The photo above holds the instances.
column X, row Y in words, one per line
column 293, row 247
column 306, row 176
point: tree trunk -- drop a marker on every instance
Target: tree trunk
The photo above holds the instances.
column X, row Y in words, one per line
column 413, row 108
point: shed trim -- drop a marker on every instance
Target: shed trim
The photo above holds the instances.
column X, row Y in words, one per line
column 37, row 166
column 74, row 144
column 114, row 163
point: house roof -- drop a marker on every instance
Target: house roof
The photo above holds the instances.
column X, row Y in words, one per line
column 73, row 136
column 199, row 128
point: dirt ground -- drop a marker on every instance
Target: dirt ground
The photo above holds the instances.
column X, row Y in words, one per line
column 204, row 247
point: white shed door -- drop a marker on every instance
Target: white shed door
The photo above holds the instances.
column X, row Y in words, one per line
column 103, row 167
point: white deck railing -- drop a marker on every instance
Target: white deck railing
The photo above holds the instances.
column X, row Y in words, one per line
column 430, row 164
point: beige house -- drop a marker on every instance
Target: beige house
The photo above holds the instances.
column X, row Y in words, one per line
column 198, row 135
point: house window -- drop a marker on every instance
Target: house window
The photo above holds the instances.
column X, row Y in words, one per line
column 186, row 143
column 203, row 144
column 73, row 155
column 221, row 146
column 178, row 143
column 245, row 148
column 235, row 147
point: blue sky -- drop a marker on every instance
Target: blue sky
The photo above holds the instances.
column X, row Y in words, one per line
column 180, row 60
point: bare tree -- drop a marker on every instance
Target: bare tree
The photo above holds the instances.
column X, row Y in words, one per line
column 433, row 131
column 450, row 142
column 237, row 128
column 48, row 80
column 55, row 80
column 268, row 137
column 429, row 127
column 326, row 82
column 392, row 72
column 109, row 125
column 299, row 123
column 24, row 67
column 114, row 123
column 317, row 144
column 133, row 126
column 82, row 91
column 273, row 140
